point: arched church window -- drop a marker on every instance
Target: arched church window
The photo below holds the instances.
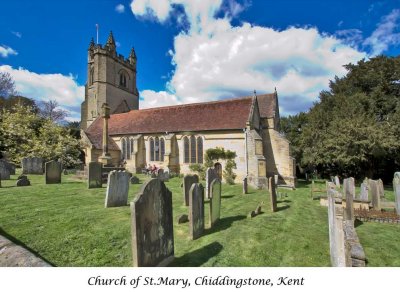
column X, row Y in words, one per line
column 186, row 149
column 122, row 79
column 151, row 149
column 91, row 76
column 128, row 150
column 192, row 149
column 199, row 150
column 131, row 142
column 162, row 149
column 123, row 148
column 157, row 149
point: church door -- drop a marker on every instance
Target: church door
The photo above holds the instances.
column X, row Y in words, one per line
column 218, row 169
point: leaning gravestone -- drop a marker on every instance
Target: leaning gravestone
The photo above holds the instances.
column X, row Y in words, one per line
column 364, row 192
column 95, row 175
column 23, row 181
column 152, row 226
column 215, row 201
column 375, row 197
column 349, row 193
column 211, row 174
column 134, row 180
column 53, row 172
column 117, row 189
column 32, row 165
column 188, row 180
column 245, row 186
column 4, row 170
column 196, row 211
column 396, row 189
column 272, row 193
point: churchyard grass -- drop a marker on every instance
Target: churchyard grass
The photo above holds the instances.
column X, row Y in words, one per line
column 67, row 225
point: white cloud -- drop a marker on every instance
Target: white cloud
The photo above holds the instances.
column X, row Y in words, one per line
column 386, row 33
column 6, row 51
column 17, row 34
column 158, row 8
column 353, row 37
column 150, row 99
column 215, row 60
column 61, row 88
column 120, row 8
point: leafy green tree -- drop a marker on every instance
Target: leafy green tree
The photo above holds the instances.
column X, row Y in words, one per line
column 7, row 85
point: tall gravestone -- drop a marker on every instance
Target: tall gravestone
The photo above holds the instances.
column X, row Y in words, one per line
column 95, row 175
column 188, row 180
column 152, row 226
column 211, row 174
column 364, row 192
column 337, row 181
column 53, row 172
column 336, row 236
column 245, row 186
column 375, row 197
column 272, row 194
column 196, row 211
column 349, row 193
column 32, row 165
column 117, row 189
column 396, row 189
column 381, row 189
column 215, row 201
column 4, row 170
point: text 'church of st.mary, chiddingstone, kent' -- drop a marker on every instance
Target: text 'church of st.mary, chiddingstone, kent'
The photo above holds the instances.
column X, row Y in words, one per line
column 178, row 136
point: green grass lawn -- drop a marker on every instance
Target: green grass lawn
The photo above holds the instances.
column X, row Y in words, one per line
column 67, row 225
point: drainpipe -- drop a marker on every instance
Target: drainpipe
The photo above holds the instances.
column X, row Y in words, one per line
column 246, row 154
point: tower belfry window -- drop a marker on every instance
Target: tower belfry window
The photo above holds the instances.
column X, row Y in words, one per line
column 122, row 80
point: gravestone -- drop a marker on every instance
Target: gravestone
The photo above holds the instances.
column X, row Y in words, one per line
column 336, row 235
column 364, row 192
column 396, row 190
column 117, row 189
column 381, row 189
column 152, row 226
column 32, row 165
column 215, row 201
column 183, row 219
column 272, row 194
column 8, row 165
column 53, row 172
column 23, row 182
column 166, row 175
column 4, row 170
column 196, row 211
column 188, row 180
column 95, row 175
column 375, row 197
column 349, row 193
column 337, row 181
column 211, row 174
column 245, row 187
column 134, row 180
column 276, row 179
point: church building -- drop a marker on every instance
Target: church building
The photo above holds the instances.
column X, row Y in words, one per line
column 175, row 137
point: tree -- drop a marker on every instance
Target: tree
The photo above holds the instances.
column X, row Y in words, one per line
column 10, row 102
column 49, row 110
column 353, row 129
column 7, row 85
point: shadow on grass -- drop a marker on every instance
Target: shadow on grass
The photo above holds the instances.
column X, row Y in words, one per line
column 227, row 197
column 357, row 223
column 282, row 208
column 198, row 257
column 223, row 223
column 20, row 243
column 284, row 201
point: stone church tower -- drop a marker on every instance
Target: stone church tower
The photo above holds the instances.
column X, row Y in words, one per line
column 111, row 80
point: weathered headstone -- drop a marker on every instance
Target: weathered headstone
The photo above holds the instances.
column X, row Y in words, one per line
column 95, row 175
column 336, row 235
column 117, row 189
column 272, row 194
column 8, row 165
column 245, row 187
column 23, row 182
column 337, row 181
column 32, row 165
column 396, row 189
column 53, row 172
column 152, row 226
column 211, row 174
column 134, row 180
column 349, row 193
column 364, row 192
column 276, row 179
column 215, row 201
column 196, row 211
column 183, row 219
column 4, row 170
column 375, row 197
column 164, row 176
column 188, row 180
column 381, row 189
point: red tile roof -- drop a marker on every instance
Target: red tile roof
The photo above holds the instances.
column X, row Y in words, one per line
column 217, row 115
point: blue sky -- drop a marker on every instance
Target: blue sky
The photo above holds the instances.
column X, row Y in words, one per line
column 193, row 51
